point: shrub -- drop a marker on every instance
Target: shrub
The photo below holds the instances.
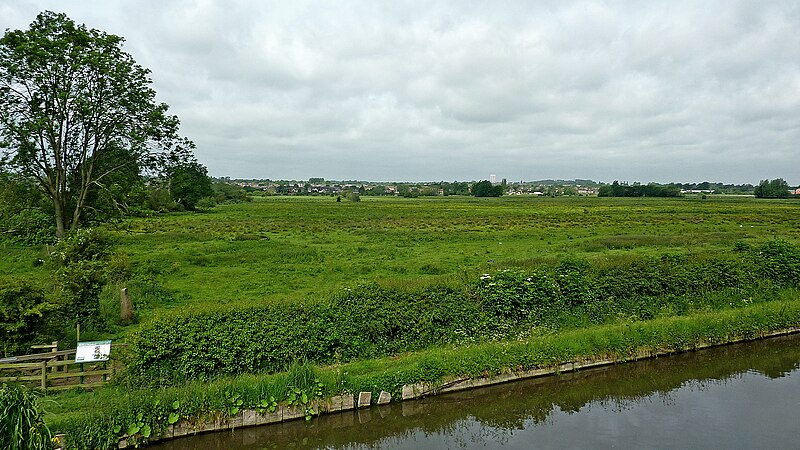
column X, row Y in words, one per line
column 24, row 313
column 80, row 273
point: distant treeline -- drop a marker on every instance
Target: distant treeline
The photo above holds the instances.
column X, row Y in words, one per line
column 716, row 187
column 638, row 190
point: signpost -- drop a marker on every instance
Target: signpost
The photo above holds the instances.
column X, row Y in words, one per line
column 92, row 351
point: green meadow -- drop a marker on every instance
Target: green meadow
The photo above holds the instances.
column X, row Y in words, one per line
column 450, row 284
column 295, row 247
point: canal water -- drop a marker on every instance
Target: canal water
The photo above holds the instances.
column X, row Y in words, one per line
column 743, row 396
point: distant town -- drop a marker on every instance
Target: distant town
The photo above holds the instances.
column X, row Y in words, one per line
column 549, row 188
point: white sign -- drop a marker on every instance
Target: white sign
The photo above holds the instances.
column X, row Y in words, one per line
column 93, row 351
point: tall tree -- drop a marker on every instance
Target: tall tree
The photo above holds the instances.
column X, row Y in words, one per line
column 70, row 100
column 188, row 183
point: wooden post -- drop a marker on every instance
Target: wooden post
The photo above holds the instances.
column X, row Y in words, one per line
column 44, row 374
column 125, row 306
column 55, row 358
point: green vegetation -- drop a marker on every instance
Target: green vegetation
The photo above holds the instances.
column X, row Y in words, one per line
column 457, row 286
column 24, row 314
column 287, row 300
column 21, row 420
column 638, row 190
column 79, row 129
column 486, row 189
column 281, row 249
column 99, row 417
column 777, row 188
column 371, row 321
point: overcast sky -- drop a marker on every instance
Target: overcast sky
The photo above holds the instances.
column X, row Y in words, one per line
column 413, row 91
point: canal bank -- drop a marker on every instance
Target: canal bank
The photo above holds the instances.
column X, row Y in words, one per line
column 349, row 402
column 735, row 396
column 433, row 371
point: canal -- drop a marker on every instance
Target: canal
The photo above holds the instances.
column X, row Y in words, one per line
column 738, row 396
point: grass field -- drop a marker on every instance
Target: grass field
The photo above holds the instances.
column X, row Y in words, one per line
column 295, row 247
column 299, row 247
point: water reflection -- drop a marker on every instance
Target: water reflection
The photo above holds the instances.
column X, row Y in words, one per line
column 741, row 396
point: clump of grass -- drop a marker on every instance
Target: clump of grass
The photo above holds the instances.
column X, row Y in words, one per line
column 301, row 375
column 21, row 423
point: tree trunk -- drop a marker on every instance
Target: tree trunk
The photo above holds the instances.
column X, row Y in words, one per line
column 59, row 213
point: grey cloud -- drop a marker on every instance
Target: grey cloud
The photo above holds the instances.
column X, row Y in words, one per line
column 644, row 91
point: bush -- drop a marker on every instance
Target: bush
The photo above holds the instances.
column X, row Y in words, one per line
column 80, row 273
column 206, row 203
column 366, row 321
column 24, row 313
column 779, row 262
column 29, row 227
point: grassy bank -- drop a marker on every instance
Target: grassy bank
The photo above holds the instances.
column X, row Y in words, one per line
column 97, row 419
column 371, row 320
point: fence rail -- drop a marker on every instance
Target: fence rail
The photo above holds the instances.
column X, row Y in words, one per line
column 56, row 370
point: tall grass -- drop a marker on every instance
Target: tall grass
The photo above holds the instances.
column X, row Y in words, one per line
column 21, row 424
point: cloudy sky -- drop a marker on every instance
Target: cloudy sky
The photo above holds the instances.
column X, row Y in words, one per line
column 394, row 90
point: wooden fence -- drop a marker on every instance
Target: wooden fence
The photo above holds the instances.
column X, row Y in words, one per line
column 55, row 370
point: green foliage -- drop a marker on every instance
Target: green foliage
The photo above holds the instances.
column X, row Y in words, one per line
column 119, row 193
column 353, row 196
column 229, row 193
column 777, row 188
column 189, row 183
column 206, row 203
column 80, row 261
column 21, row 420
column 362, row 322
column 638, row 190
column 158, row 198
column 486, row 189
column 370, row 321
column 77, row 114
column 112, row 410
column 24, row 316
column 23, row 216
column 778, row 262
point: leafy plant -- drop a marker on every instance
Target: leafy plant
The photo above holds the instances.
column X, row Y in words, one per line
column 269, row 405
column 174, row 414
column 233, row 403
column 138, row 429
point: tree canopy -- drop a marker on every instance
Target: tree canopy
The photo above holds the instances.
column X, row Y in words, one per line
column 638, row 190
column 486, row 189
column 777, row 188
column 76, row 111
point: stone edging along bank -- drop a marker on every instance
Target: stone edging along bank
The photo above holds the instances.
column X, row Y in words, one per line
column 347, row 402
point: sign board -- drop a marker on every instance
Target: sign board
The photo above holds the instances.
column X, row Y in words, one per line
column 92, row 351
